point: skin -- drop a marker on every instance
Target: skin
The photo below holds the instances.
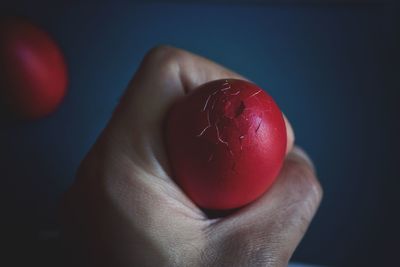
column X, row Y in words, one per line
column 125, row 210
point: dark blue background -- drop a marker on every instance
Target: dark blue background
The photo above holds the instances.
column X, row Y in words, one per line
column 333, row 70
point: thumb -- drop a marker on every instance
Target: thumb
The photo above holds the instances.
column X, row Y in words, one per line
column 267, row 231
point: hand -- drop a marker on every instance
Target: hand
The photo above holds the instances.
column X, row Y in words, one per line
column 124, row 208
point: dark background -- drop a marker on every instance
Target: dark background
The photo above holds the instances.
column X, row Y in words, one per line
column 333, row 68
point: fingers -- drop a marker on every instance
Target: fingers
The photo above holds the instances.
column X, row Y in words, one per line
column 165, row 74
column 279, row 219
column 134, row 136
column 290, row 135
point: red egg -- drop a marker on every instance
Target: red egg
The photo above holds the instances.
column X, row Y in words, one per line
column 33, row 73
column 226, row 143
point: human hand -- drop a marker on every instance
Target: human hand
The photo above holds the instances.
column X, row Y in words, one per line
column 124, row 208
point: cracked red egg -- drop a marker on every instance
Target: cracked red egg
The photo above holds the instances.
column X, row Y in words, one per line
column 226, row 143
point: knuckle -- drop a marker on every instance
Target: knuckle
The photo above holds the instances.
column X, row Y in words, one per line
column 250, row 247
column 164, row 55
column 304, row 196
column 306, row 177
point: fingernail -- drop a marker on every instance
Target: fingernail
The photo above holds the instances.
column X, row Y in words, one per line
column 300, row 153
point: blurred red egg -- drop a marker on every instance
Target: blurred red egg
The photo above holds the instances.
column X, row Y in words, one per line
column 33, row 72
